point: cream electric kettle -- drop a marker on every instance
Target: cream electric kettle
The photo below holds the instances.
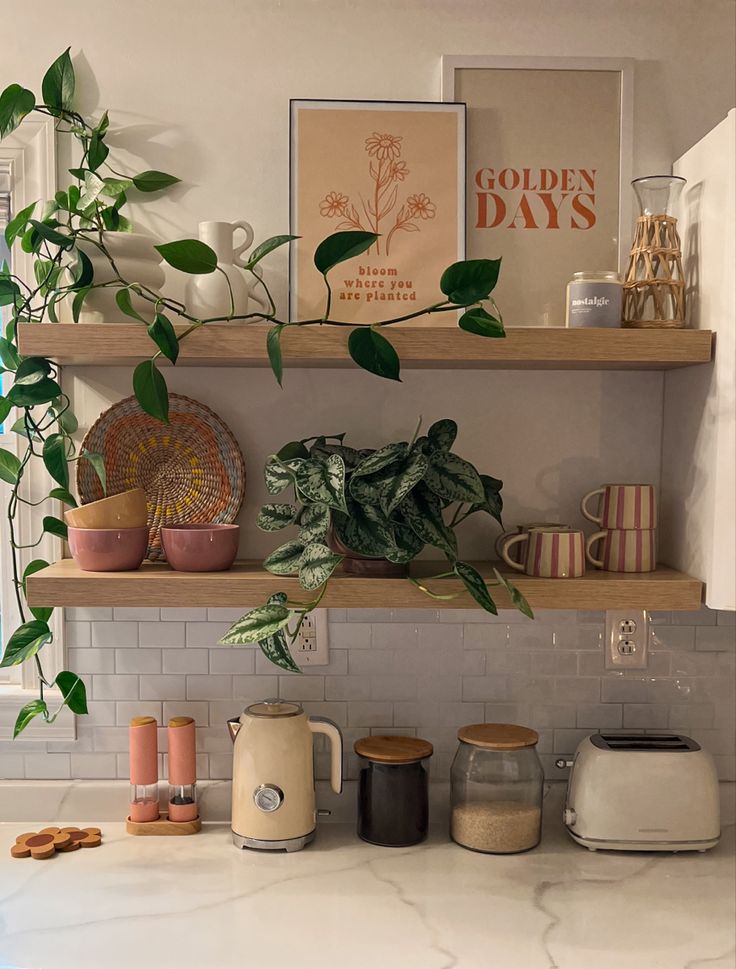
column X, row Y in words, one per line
column 273, row 774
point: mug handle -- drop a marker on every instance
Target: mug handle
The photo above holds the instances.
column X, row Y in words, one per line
column 500, row 540
column 588, row 549
column 584, row 503
column 513, row 540
column 238, row 257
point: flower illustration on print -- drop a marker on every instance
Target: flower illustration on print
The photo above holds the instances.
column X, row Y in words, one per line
column 387, row 171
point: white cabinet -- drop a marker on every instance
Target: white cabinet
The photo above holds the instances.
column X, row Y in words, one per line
column 698, row 533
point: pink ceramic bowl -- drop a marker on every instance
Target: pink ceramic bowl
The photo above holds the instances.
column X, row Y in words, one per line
column 108, row 549
column 200, row 548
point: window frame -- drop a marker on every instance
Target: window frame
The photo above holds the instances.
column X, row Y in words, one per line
column 31, row 151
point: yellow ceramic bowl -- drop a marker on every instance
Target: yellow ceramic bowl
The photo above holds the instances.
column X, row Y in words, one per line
column 127, row 510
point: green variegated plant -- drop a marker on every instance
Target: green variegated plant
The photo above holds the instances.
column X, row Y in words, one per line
column 385, row 504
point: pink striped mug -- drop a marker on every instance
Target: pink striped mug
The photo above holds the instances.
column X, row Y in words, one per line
column 624, row 550
column 623, row 506
column 551, row 553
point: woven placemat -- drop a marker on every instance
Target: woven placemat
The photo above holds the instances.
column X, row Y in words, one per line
column 191, row 469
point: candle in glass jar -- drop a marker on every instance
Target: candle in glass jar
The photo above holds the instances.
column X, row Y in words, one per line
column 594, row 299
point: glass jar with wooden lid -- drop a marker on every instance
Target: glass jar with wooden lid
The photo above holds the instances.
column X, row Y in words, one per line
column 393, row 807
column 496, row 786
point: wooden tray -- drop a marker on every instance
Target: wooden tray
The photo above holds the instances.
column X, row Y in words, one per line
column 163, row 826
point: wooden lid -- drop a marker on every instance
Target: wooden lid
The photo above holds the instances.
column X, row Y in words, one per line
column 393, row 750
column 141, row 721
column 180, row 721
column 498, row 736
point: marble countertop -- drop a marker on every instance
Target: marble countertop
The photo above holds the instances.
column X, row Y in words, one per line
column 172, row 903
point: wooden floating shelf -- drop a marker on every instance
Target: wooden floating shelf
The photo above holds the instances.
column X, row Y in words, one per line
column 247, row 584
column 422, row 346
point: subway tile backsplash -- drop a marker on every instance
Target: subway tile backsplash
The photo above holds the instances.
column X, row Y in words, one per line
column 422, row 672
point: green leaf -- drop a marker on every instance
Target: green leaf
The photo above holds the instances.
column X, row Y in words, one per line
column 73, row 690
column 84, row 272
column 54, row 459
column 26, row 642
column 476, row 586
column 493, row 503
column 423, row 514
column 318, row 562
column 285, row 560
column 277, row 477
column 341, row 246
column 365, row 530
column 115, row 186
column 125, row 305
column 57, row 86
column 93, row 186
column 273, row 347
column 50, row 234
column 150, row 390
column 69, row 423
column 42, row 392
column 98, row 466
column 153, row 181
column 15, row 103
column 407, row 544
column 35, row 566
column 31, row 370
column 323, row 481
column 32, row 709
column 276, row 649
column 379, row 459
column 453, row 478
column 164, row 336
column 9, row 292
column 402, row 483
column 256, row 625
column 5, row 408
column 9, row 466
column 78, row 302
column 97, row 151
column 61, row 494
column 442, row 434
column 476, row 320
column 470, row 281
column 189, row 256
column 314, row 523
column 9, row 356
column 273, row 517
column 55, row 526
column 294, row 449
column 517, row 598
column 267, row 247
column 18, row 223
column 374, row 353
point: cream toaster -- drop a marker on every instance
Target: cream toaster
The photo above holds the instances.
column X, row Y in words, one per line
column 642, row 793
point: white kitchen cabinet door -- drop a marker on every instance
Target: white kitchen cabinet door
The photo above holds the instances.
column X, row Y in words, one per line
column 698, row 524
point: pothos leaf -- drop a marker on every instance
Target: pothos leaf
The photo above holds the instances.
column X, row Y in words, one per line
column 314, row 522
column 73, row 690
column 33, row 709
column 54, row 459
column 517, row 598
column 273, row 517
column 150, row 390
column 55, row 526
column 323, row 481
column 276, row 649
column 26, row 642
column 98, row 464
column 476, row 586
column 374, row 353
column 449, row 476
column 317, row 564
column 256, row 625
column 273, row 348
column 285, row 560
column 442, row 434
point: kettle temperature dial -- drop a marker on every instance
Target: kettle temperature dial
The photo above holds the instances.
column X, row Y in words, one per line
column 268, row 797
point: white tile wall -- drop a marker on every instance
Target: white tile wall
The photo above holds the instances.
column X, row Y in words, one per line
column 420, row 672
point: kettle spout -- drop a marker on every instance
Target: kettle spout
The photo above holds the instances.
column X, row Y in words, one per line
column 233, row 725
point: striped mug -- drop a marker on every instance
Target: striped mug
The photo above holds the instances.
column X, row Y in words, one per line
column 624, row 550
column 524, row 529
column 623, row 506
column 551, row 553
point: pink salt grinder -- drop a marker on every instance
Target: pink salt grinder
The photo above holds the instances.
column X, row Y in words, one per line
column 142, row 735
column 182, row 770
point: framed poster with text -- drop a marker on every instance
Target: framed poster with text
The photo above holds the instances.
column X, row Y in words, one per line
column 549, row 166
column 396, row 168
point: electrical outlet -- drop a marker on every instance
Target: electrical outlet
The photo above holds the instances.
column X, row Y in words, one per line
column 627, row 639
column 312, row 647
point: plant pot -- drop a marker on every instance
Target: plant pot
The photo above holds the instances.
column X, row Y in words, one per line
column 136, row 260
column 355, row 564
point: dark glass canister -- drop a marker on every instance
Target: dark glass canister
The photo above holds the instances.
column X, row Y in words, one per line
column 393, row 808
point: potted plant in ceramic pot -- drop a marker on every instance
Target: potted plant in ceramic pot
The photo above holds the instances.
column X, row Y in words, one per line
column 371, row 511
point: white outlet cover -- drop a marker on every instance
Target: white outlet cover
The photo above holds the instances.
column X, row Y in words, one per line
column 630, row 626
column 312, row 646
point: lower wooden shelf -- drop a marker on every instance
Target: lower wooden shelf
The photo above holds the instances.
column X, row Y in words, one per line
column 247, row 584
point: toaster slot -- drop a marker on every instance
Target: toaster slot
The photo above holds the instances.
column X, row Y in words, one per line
column 644, row 742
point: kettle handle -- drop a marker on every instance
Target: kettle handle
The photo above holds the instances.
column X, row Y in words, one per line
column 331, row 730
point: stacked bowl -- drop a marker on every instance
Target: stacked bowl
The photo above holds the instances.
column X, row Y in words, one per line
column 110, row 535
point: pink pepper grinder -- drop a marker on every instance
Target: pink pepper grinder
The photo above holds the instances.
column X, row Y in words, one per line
column 142, row 735
column 182, row 770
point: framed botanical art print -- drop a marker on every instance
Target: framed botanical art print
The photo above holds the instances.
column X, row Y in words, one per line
column 396, row 168
column 549, row 166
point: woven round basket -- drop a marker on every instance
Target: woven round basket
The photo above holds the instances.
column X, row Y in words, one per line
column 191, row 469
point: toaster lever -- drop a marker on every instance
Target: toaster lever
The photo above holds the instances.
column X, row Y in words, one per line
column 569, row 817
column 323, row 813
column 563, row 764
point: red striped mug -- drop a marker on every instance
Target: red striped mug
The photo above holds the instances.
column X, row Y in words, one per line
column 551, row 553
column 623, row 506
column 624, row 550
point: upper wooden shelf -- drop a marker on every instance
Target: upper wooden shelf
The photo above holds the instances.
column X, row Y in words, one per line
column 247, row 584
column 420, row 346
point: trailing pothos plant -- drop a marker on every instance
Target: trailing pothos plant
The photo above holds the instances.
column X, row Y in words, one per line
column 59, row 233
column 379, row 504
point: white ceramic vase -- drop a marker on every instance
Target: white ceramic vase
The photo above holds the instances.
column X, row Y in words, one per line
column 208, row 295
column 137, row 261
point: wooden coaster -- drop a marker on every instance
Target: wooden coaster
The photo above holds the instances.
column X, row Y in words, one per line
column 45, row 843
